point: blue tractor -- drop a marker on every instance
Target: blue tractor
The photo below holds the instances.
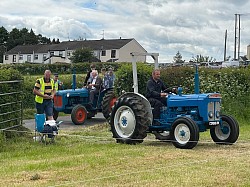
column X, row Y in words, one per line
column 180, row 122
column 75, row 102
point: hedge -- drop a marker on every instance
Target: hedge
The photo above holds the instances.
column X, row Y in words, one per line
column 232, row 83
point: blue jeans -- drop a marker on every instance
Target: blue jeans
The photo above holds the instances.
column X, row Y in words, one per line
column 45, row 107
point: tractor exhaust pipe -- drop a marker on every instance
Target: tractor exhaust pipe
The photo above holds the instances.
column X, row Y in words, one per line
column 196, row 81
column 74, row 79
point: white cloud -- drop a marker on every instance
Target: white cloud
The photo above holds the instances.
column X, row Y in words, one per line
column 189, row 26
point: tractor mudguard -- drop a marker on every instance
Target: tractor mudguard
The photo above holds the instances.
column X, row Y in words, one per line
column 144, row 101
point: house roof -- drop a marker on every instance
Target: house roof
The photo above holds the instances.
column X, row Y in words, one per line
column 102, row 44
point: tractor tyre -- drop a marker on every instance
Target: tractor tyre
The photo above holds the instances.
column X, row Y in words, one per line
column 163, row 136
column 184, row 133
column 129, row 121
column 226, row 133
column 108, row 102
column 55, row 114
column 79, row 115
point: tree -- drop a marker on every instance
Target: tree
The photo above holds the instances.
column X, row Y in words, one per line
column 4, row 35
column 3, row 42
column 178, row 58
column 84, row 54
column 201, row 58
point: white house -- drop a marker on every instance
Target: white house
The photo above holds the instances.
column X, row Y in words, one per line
column 113, row 50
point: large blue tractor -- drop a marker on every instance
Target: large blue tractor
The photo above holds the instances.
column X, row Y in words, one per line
column 180, row 122
column 75, row 102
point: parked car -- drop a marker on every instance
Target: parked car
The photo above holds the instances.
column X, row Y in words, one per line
column 232, row 63
column 212, row 65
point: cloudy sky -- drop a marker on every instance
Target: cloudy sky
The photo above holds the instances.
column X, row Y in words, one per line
column 163, row 26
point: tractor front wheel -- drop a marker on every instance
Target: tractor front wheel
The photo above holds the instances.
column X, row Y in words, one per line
column 129, row 121
column 184, row 133
column 79, row 115
column 227, row 132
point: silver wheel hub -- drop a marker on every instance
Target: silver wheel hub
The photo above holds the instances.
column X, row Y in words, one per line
column 124, row 121
column 224, row 133
column 182, row 133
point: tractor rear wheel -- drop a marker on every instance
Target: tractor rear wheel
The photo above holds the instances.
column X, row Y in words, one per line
column 227, row 132
column 108, row 102
column 184, row 133
column 79, row 115
column 129, row 121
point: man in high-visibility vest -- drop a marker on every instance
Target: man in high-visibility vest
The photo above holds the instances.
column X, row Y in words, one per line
column 45, row 90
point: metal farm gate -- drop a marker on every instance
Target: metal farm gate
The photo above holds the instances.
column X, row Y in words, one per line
column 11, row 105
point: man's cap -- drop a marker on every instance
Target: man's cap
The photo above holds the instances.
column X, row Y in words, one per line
column 56, row 74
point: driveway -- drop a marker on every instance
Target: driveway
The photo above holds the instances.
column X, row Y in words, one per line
column 68, row 124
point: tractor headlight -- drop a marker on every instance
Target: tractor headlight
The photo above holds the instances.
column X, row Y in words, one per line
column 210, row 114
column 217, row 114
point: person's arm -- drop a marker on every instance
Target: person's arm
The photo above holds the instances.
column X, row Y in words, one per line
column 87, row 78
column 53, row 92
column 36, row 92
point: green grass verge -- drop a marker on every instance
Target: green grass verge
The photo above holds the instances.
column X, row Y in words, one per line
column 90, row 157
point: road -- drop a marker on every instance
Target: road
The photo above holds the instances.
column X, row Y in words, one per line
column 68, row 124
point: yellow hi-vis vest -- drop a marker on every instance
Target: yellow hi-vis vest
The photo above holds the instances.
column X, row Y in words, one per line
column 39, row 99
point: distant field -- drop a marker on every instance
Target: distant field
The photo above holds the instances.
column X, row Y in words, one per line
column 91, row 157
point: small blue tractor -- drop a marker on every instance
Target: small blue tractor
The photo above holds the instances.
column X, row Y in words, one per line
column 180, row 122
column 75, row 102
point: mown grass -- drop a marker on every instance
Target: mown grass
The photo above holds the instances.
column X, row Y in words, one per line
column 90, row 157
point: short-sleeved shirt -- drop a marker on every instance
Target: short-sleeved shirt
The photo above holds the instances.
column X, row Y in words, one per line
column 48, row 87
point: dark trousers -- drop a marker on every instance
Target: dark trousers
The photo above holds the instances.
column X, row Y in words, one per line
column 157, row 104
column 92, row 94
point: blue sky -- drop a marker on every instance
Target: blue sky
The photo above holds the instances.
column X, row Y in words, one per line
column 163, row 26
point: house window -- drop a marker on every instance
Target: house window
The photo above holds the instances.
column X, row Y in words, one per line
column 51, row 53
column 20, row 57
column 68, row 53
column 113, row 53
column 6, row 57
column 29, row 58
column 14, row 58
column 44, row 57
column 36, row 57
column 103, row 53
column 60, row 53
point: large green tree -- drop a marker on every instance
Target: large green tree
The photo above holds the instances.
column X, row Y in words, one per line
column 84, row 54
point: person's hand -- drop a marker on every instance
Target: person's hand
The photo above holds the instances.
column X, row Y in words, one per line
column 163, row 94
column 46, row 96
column 174, row 90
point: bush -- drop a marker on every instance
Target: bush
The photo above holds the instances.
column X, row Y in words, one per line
column 124, row 78
column 61, row 68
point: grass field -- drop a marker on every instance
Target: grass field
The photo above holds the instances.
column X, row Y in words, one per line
column 91, row 157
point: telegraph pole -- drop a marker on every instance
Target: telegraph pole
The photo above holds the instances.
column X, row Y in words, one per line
column 235, row 36
column 225, row 47
column 239, row 39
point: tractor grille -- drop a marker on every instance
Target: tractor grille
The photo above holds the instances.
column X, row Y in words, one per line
column 214, row 111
